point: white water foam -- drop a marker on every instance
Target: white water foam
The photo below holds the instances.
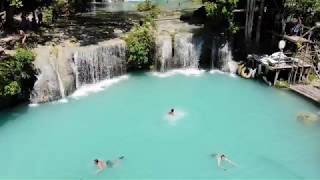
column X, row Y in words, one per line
column 60, row 101
column 186, row 72
column 232, row 75
column 33, row 105
column 178, row 115
column 85, row 90
column 216, row 71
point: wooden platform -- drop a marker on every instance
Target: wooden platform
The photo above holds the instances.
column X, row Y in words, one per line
column 289, row 66
column 308, row 91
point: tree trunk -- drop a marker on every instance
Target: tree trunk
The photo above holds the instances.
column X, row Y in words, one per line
column 261, row 11
column 249, row 22
column 9, row 17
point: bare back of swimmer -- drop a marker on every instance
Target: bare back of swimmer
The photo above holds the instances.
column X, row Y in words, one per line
column 102, row 165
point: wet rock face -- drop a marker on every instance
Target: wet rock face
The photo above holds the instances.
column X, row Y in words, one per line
column 64, row 69
column 181, row 50
column 177, row 46
column 46, row 88
column 104, row 61
column 221, row 56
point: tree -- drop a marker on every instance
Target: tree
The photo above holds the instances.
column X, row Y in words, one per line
column 303, row 6
column 16, row 6
column 140, row 42
column 17, row 74
column 221, row 12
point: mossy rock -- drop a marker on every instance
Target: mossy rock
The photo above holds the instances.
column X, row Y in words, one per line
column 308, row 117
column 282, row 84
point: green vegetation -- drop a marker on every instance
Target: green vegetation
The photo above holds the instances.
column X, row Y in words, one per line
column 312, row 77
column 47, row 15
column 141, row 42
column 146, row 6
column 221, row 12
column 17, row 74
column 303, row 5
column 282, row 84
column 66, row 7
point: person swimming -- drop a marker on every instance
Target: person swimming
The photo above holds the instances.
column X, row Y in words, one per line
column 102, row 165
column 221, row 158
column 171, row 112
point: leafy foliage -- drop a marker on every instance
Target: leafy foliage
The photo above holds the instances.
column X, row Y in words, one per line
column 12, row 89
column 282, row 84
column 220, row 8
column 221, row 11
column 16, row 3
column 141, row 42
column 15, row 73
column 48, row 15
column 145, row 6
column 303, row 5
column 24, row 56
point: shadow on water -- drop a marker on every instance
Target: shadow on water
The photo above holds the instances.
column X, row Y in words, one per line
column 280, row 167
column 12, row 113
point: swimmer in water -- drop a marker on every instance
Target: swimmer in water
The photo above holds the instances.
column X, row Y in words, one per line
column 102, row 165
column 171, row 112
column 221, row 158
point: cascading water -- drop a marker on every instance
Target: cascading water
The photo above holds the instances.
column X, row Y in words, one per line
column 187, row 50
column 221, row 57
column 65, row 70
column 181, row 51
column 60, row 83
column 95, row 63
column 225, row 56
column 163, row 53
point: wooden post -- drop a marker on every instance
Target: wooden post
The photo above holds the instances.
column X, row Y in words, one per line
column 259, row 69
column 276, row 77
column 295, row 75
column 301, row 73
column 289, row 77
column 308, row 73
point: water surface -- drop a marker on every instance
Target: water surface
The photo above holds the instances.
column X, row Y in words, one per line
column 254, row 125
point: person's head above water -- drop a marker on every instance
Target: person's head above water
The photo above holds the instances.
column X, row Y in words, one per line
column 222, row 156
column 96, row 161
column 171, row 112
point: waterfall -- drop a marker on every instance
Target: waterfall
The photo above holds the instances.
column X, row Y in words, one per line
column 95, row 63
column 61, row 86
column 221, row 57
column 180, row 51
column 225, row 56
column 163, row 53
column 187, row 50
column 63, row 69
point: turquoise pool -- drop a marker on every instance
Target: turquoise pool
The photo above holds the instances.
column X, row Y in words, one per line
column 254, row 125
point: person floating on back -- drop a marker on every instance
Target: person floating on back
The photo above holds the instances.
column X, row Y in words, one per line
column 102, row 165
column 171, row 113
column 221, row 158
